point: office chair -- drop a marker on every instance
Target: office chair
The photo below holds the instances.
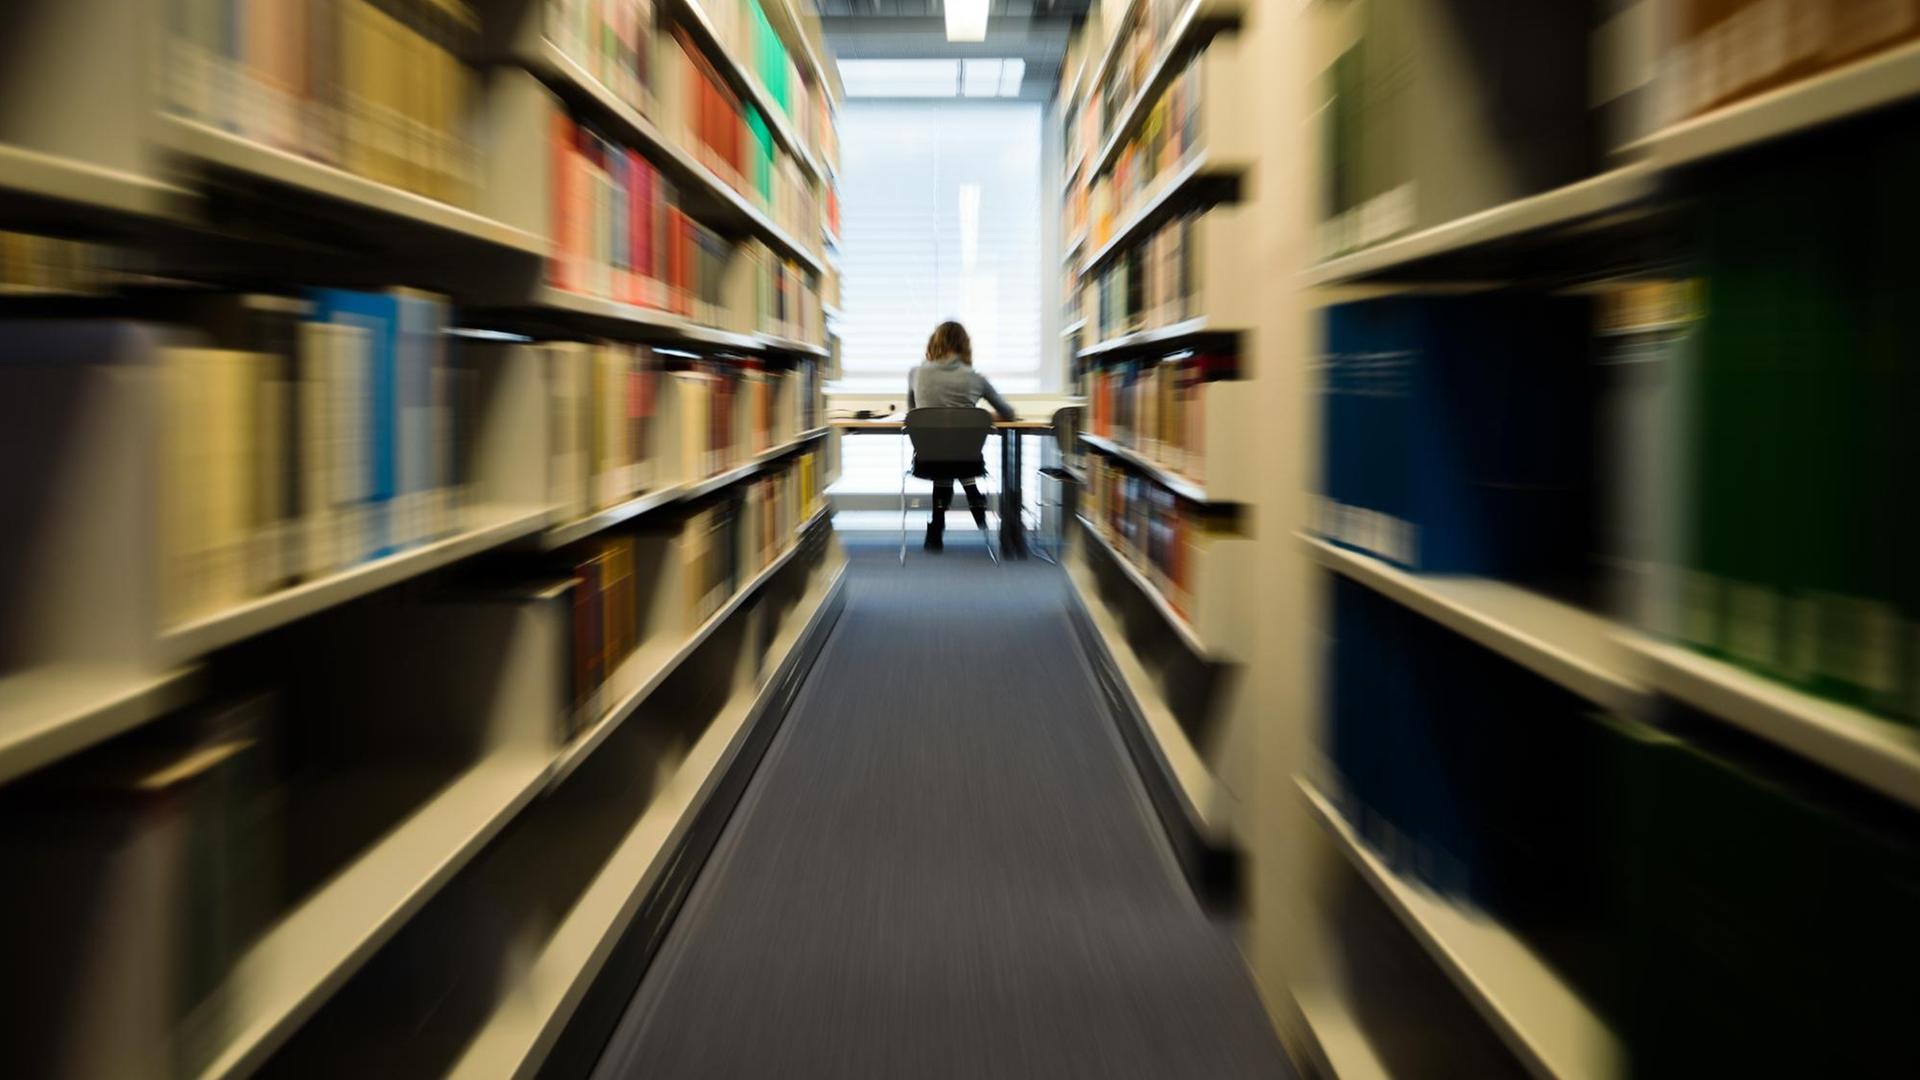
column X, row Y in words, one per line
column 1066, row 439
column 948, row 444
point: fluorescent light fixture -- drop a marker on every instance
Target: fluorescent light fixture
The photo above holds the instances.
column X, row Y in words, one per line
column 900, row 78
column 966, row 20
column 980, row 78
column 933, row 78
column 1011, row 72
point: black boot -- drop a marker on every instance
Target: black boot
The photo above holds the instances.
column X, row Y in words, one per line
column 936, row 537
column 977, row 503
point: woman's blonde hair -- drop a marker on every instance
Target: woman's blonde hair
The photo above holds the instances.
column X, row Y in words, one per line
column 950, row 339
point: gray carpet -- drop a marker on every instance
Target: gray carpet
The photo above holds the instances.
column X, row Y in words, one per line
column 944, row 868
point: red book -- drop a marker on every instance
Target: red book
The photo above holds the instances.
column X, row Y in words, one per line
column 560, row 262
column 679, row 239
column 639, row 195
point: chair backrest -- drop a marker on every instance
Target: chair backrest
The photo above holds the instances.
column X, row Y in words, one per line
column 948, row 435
column 1066, row 432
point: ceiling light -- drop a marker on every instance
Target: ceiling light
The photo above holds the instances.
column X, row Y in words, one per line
column 966, row 20
column 900, row 78
column 980, row 78
column 1011, row 72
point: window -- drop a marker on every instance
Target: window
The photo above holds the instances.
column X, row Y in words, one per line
column 941, row 221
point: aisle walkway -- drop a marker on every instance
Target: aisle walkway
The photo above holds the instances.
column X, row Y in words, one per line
column 944, row 869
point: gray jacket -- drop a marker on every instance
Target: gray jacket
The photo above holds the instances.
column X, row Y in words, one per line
column 951, row 384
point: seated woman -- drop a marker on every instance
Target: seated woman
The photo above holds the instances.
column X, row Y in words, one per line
column 947, row 380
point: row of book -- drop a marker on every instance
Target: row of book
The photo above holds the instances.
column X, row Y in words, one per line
column 620, row 232
column 653, row 66
column 1457, row 432
column 1414, row 81
column 381, row 88
column 700, row 112
column 1691, row 887
column 1157, row 282
column 1719, row 460
column 1141, row 42
column 1157, row 406
column 1720, row 51
column 611, row 40
column 702, row 560
column 1797, row 445
column 619, row 425
column 745, row 32
column 786, row 300
column 31, row 264
column 1150, row 527
column 314, row 432
column 1171, row 134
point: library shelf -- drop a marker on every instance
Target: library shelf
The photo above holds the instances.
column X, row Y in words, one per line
column 1195, row 23
column 1575, row 648
column 1872, row 82
column 1203, row 795
column 1571, row 204
column 560, row 536
column 490, row 526
column 1073, row 327
column 1073, row 168
column 649, row 666
column 1198, row 173
column 316, row 947
column 1158, row 473
column 694, row 18
column 1541, row 1019
column 1129, row 10
column 1865, row 748
column 1074, row 245
column 565, row 76
column 1344, row 1050
column 832, row 313
column 522, row 1030
column 755, row 464
column 53, row 710
column 1187, row 332
column 786, row 21
column 618, row 319
column 226, row 150
column 86, row 186
column 311, row 952
column 778, row 343
column 1181, row 627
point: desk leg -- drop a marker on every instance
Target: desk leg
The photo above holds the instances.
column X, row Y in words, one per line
column 1013, row 540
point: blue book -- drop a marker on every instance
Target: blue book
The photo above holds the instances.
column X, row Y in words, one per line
column 1459, row 431
column 379, row 315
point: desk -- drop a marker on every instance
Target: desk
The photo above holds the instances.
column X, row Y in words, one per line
column 1013, row 536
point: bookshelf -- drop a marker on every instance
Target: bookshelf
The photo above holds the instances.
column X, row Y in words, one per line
column 1866, row 748
column 1872, row 82
column 1645, row 654
column 1575, row 648
column 495, row 526
column 201, row 143
column 1551, row 1030
column 27, row 173
column 1158, row 149
column 385, row 564
column 55, row 709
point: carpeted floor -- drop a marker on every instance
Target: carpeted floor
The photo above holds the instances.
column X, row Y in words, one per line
column 943, row 868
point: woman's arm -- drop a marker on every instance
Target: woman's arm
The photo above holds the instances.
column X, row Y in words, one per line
column 910, row 405
column 993, row 397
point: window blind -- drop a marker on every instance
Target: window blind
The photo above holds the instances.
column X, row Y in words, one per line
column 941, row 220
